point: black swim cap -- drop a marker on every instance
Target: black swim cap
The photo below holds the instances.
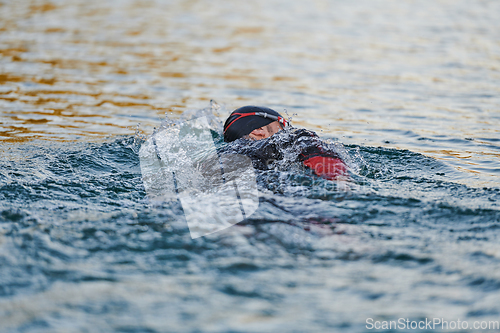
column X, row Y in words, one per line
column 244, row 120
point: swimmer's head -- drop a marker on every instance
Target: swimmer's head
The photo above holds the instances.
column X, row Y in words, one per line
column 256, row 122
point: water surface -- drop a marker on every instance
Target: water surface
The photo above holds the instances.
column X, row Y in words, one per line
column 410, row 88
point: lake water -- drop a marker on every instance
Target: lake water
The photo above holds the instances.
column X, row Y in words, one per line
column 410, row 88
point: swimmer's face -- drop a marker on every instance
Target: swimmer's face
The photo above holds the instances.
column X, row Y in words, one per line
column 265, row 131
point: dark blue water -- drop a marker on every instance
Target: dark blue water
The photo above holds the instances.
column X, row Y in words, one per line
column 82, row 250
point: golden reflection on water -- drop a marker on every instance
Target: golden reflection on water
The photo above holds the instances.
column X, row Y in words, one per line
column 395, row 76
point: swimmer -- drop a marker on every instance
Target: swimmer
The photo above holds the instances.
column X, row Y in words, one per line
column 264, row 125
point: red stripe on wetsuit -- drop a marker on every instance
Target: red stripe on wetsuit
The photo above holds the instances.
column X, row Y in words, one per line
column 327, row 165
column 330, row 168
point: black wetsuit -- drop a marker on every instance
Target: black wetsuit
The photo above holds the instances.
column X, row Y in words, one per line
column 292, row 145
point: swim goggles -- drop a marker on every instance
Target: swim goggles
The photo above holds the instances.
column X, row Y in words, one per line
column 280, row 119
